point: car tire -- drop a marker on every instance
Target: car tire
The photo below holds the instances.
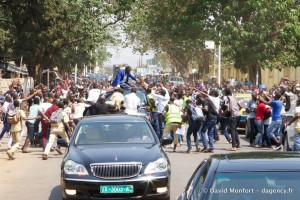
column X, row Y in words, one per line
column 286, row 146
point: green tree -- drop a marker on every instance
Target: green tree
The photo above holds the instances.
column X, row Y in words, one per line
column 255, row 34
column 171, row 27
column 47, row 33
column 259, row 33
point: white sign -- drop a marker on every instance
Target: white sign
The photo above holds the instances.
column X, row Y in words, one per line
column 209, row 44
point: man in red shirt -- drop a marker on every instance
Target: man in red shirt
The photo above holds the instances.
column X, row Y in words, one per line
column 261, row 112
column 46, row 123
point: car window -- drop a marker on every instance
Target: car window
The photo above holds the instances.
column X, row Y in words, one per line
column 273, row 185
column 196, row 182
column 198, row 188
column 243, row 101
column 113, row 132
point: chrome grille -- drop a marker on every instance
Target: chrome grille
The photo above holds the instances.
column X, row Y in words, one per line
column 116, row 170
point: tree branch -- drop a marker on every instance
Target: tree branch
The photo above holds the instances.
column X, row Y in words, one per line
column 119, row 18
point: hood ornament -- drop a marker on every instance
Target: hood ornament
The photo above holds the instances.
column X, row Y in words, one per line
column 116, row 158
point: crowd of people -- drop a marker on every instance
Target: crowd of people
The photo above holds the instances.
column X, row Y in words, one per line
column 196, row 108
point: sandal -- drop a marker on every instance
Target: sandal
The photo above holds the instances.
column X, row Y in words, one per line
column 231, row 149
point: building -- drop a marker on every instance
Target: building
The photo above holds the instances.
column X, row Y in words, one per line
column 268, row 77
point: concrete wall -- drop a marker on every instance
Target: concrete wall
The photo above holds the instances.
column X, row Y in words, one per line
column 268, row 77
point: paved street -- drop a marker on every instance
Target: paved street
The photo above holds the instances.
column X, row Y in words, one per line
column 30, row 177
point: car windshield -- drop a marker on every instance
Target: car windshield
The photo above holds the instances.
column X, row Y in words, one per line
column 113, row 132
column 243, row 101
column 255, row 185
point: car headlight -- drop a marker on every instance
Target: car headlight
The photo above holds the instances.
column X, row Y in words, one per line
column 160, row 165
column 72, row 167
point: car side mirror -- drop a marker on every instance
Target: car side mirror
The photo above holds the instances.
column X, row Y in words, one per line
column 62, row 142
column 166, row 141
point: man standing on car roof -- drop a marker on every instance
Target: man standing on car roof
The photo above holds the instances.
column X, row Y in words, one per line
column 122, row 78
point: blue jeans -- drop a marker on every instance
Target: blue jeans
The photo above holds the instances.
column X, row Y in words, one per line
column 125, row 86
column 208, row 125
column 193, row 129
column 296, row 146
column 260, row 127
column 274, row 130
column 6, row 127
column 155, row 123
column 161, row 125
column 224, row 124
column 180, row 138
column 265, row 139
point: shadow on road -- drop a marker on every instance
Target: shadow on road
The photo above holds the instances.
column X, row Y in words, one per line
column 56, row 193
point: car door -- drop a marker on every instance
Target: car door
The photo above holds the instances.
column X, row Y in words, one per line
column 196, row 188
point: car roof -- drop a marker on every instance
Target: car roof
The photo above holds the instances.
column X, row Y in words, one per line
column 257, row 161
column 113, row 118
column 243, row 95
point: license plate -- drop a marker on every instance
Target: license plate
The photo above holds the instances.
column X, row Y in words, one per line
column 116, row 189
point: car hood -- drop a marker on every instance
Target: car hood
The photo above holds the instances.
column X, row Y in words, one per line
column 87, row 154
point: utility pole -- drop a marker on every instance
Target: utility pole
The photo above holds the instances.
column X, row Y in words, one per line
column 76, row 67
column 48, row 78
column 219, row 63
column 21, row 63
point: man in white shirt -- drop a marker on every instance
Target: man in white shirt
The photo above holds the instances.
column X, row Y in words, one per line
column 132, row 102
column 162, row 100
column 79, row 109
column 45, row 105
column 94, row 94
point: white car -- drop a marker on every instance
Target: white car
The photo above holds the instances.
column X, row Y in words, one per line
column 176, row 80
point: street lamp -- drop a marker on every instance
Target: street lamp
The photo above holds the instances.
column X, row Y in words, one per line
column 194, row 71
column 211, row 45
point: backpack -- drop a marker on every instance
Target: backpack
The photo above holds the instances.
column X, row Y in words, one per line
column 56, row 117
column 13, row 117
column 197, row 113
column 223, row 111
column 214, row 110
